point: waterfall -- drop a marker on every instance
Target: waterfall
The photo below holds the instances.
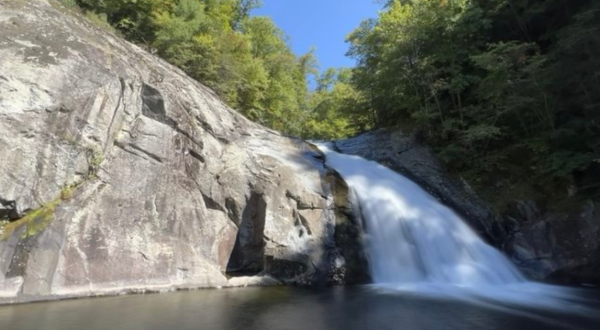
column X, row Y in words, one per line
column 415, row 243
column 412, row 238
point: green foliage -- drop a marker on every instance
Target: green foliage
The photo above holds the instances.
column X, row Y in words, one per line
column 35, row 222
column 68, row 3
column 506, row 92
column 70, row 139
column 131, row 17
column 336, row 107
column 67, row 191
column 246, row 60
column 282, row 88
column 95, row 158
column 99, row 20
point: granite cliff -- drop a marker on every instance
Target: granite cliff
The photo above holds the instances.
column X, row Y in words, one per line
column 121, row 174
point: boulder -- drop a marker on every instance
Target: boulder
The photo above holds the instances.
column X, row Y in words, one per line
column 562, row 247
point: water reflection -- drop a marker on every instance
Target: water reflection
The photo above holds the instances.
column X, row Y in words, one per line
column 288, row 308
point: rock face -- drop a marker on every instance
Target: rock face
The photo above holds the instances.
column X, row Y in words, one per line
column 546, row 246
column 119, row 173
column 560, row 247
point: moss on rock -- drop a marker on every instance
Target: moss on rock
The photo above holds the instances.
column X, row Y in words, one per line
column 35, row 222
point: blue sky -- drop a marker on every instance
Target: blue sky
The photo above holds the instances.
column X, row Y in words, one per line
column 320, row 23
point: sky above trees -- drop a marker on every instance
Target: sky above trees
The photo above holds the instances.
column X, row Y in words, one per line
column 320, row 23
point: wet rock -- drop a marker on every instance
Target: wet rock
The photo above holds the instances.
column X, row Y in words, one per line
column 285, row 269
column 253, row 281
column 10, row 288
column 559, row 246
column 348, row 261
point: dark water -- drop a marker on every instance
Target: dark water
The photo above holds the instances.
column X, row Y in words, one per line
column 286, row 308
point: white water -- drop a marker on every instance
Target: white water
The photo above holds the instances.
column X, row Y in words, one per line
column 416, row 244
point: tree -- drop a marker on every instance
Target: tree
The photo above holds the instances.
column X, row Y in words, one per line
column 505, row 92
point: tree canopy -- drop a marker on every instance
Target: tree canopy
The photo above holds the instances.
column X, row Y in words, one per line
column 246, row 60
column 507, row 93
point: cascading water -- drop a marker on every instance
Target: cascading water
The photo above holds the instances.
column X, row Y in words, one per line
column 415, row 243
column 412, row 237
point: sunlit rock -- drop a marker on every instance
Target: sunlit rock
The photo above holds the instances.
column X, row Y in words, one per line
column 119, row 173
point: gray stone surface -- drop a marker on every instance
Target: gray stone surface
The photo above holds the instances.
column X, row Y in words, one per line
column 561, row 247
column 10, row 288
column 125, row 175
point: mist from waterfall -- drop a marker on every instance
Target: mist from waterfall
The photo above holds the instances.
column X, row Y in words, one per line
column 416, row 244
